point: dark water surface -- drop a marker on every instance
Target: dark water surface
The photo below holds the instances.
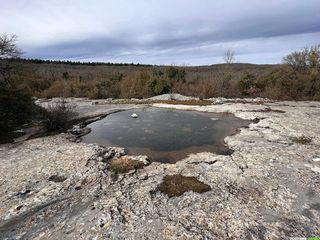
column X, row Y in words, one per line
column 165, row 135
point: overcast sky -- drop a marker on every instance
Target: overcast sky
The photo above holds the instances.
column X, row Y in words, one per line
column 190, row 32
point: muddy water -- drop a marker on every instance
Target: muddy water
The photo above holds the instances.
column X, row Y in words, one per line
column 165, row 135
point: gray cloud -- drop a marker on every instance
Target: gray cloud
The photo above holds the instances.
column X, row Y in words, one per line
column 162, row 32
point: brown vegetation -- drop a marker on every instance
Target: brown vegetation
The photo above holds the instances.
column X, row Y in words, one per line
column 298, row 78
column 126, row 81
column 16, row 107
column 124, row 165
column 176, row 185
column 187, row 102
column 58, row 116
column 267, row 110
column 302, row 140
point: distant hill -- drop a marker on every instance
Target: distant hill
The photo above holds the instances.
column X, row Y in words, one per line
column 44, row 78
column 95, row 70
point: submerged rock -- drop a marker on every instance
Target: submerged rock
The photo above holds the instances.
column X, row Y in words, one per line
column 79, row 131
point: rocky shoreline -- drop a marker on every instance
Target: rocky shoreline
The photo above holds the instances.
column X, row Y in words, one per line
column 54, row 188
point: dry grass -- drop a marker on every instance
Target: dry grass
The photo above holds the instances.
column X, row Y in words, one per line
column 187, row 102
column 176, row 185
column 57, row 178
column 266, row 110
column 173, row 102
column 124, row 165
column 302, row 140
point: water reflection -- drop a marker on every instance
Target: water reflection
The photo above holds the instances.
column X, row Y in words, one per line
column 165, row 135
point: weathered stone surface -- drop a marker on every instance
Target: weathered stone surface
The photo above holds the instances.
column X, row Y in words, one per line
column 88, row 109
column 269, row 188
column 173, row 96
column 78, row 131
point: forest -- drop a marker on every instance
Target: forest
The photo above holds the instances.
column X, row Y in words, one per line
column 297, row 78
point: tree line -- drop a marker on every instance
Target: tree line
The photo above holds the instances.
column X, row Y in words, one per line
column 68, row 62
column 296, row 78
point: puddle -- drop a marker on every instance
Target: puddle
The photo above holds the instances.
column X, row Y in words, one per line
column 165, row 135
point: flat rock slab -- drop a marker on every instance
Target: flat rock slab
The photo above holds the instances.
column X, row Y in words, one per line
column 269, row 188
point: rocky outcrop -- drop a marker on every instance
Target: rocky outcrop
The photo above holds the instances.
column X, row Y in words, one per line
column 173, row 96
column 51, row 188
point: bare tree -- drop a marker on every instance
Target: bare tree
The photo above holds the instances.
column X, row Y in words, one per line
column 225, row 75
column 307, row 58
column 59, row 115
column 8, row 49
column 297, row 60
column 229, row 56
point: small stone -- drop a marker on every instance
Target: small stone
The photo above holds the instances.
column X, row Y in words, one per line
column 219, row 101
column 100, row 159
column 316, row 159
column 19, row 207
column 57, row 178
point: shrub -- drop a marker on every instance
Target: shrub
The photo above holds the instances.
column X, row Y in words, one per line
column 135, row 85
column 108, row 89
column 247, row 85
column 55, row 90
column 16, row 108
column 302, row 140
column 305, row 59
column 176, row 74
column 158, row 86
column 116, row 77
column 297, row 60
column 205, row 90
column 58, row 115
column 161, row 87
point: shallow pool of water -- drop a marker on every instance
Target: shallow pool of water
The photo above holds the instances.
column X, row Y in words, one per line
column 165, row 135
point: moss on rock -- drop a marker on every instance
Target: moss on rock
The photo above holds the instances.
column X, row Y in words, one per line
column 176, row 185
column 124, row 165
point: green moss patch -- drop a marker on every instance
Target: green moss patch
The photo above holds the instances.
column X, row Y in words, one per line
column 176, row 185
column 124, row 165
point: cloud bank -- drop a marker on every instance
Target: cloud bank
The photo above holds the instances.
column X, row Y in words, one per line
column 161, row 32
